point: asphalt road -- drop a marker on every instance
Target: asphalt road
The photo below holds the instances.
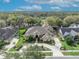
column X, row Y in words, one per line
column 67, row 57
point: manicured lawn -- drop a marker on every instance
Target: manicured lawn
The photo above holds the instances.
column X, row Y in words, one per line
column 38, row 50
column 12, row 49
column 21, row 40
column 68, row 47
column 71, row 53
column 22, row 31
column 19, row 44
column 47, row 53
column 65, row 45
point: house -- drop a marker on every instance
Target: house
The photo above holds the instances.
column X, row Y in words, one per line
column 40, row 31
column 74, row 26
column 7, row 32
column 69, row 31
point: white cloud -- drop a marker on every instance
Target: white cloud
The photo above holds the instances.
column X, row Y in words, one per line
column 61, row 3
column 29, row 8
column 56, row 8
column 75, row 5
column 7, row 1
column 48, row 1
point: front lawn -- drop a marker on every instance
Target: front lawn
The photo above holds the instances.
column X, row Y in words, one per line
column 65, row 46
column 37, row 50
column 12, row 49
column 21, row 40
column 22, row 31
column 71, row 53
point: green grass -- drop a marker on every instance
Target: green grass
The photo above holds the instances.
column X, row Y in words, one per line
column 65, row 45
column 71, row 53
column 38, row 48
column 68, row 47
column 21, row 40
column 22, row 31
column 12, row 49
column 47, row 53
column 39, row 52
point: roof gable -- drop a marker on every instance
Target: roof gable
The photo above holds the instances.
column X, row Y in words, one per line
column 69, row 30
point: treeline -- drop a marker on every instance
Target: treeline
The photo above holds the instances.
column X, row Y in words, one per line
column 38, row 18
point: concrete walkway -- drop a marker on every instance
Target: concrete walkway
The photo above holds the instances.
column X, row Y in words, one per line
column 57, row 43
column 57, row 47
column 2, row 57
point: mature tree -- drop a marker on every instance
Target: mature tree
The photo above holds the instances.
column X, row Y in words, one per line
column 71, row 19
column 2, row 23
column 29, row 20
column 53, row 21
column 12, row 20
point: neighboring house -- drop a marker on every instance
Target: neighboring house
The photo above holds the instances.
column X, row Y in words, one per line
column 40, row 31
column 7, row 32
column 69, row 31
column 74, row 26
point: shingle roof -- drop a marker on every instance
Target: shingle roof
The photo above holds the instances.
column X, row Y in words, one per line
column 38, row 30
column 65, row 29
column 47, row 37
column 6, row 33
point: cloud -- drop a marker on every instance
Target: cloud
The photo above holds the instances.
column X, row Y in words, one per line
column 56, row 8
column 48, row 1
column 61, row 3
column 75, row 5
column 29, row 8
column 38, row 1
column 7, row 1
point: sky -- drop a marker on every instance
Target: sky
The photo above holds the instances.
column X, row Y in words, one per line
column 39, row 5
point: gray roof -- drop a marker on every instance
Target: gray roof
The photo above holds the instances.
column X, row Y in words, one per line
column 46, row 37
column 38, row 30
column 6, row 33
column 66, row 29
